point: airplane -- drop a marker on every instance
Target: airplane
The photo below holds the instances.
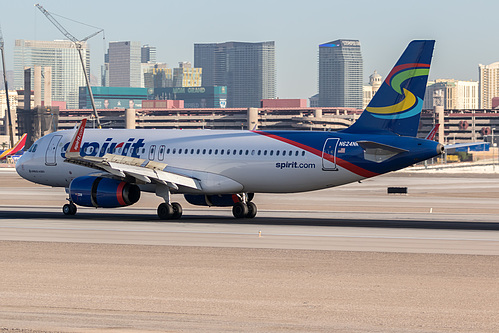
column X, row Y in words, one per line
column 225, row 168
column 17, row 147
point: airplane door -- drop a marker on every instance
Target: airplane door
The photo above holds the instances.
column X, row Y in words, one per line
column 50, row 154
column 329, row 154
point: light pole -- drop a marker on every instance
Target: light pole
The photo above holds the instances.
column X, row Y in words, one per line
column 494, row 145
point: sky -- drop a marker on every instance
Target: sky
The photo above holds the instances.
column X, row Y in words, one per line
column 466, row 32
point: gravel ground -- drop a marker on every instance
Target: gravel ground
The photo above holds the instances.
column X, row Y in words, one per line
column 69, row 287
column 65, row 287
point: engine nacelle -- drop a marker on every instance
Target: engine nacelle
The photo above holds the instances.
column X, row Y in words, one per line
column 92, row 191
column 223, row 200
column 217, row 200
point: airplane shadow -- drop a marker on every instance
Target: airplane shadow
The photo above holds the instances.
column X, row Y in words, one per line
column 85, row 216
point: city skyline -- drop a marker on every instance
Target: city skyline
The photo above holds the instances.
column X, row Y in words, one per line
column 464, row 33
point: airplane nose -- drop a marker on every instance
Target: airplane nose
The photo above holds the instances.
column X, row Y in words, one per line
column 20, row 167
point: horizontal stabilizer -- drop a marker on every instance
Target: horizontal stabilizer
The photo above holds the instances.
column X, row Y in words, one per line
column 378, row 152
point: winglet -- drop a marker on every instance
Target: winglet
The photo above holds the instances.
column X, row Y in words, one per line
column 433, row 132
column 75, row 145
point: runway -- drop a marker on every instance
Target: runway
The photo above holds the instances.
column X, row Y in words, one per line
column 440, row 215
column 348, row 259
column 134, row 226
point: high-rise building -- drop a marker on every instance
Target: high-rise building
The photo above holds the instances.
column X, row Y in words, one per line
column 62, row 56
column 488, row 78
column 186, row 76
column 340, row 74
column 124, row 64
column 451, row 94
column 147, row 54
column 247, row 69
column 157, row 75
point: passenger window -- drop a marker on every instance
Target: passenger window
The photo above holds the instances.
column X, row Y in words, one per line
column 209, row 152
column 234, row 152
column 204, row 151
column 216, row 151
column 221, row 151
column 152, row 150
column 259, row 152
column 174, row 150
column 264, row 153
column 303, row 153
column 271, row 152
column 180, row 151
column 253, row 152
column 192, row 151
column 168, row 151
column 240, row 152
column 161, row 153
column 296, row 153
column 198, row 151
column 247, row 152
column 277, row 152
column 290, row 153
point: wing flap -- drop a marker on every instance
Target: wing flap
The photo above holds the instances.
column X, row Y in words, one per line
column 125, row 166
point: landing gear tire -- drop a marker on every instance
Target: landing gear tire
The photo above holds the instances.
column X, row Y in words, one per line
column 170, row 211
column 69, row 209
column 240, row 210
column 165, row 211
column 177, row 211
column 252, row 210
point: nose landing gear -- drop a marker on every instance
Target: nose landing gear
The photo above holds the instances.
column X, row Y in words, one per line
column 69, row 209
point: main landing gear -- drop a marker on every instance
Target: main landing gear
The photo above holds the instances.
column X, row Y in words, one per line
column 245, row 208
column 167, row 210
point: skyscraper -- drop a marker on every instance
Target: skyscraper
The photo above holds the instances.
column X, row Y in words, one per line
column 124, row 64
column 488, row 78
column 247, row 69
column 147, row 54
column 340, row 74
column 62, row 56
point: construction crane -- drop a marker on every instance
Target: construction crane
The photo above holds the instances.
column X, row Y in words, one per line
column 78, row 45
column 9, row 116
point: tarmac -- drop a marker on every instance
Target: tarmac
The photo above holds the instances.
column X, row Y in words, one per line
column 347, row 259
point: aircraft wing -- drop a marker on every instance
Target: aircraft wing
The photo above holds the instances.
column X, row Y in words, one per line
column 17, row 147
column 142, row 171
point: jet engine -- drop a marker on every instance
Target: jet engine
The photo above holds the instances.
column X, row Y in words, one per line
column 90, row 191
column 220, row 200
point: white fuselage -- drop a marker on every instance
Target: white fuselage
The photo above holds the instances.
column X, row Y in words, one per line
column 223, row 161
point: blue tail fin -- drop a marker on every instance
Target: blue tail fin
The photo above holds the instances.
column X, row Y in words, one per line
column 396, row 106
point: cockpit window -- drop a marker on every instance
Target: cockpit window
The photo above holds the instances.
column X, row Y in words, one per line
column 33, row 149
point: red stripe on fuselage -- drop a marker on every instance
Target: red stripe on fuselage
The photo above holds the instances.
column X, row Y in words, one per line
column 119, row 194
column 342, row 163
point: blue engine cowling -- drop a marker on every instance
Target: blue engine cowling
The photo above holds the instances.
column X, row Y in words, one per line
column 221, row 200
column 92, row 191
